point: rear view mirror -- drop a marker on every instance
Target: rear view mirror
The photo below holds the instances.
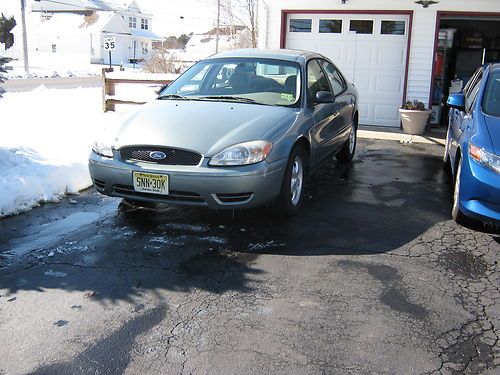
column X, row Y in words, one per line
column 457, row 101
column 324, row 97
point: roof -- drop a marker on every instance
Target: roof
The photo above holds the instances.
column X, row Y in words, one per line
column 280, row 54
column 145, row 34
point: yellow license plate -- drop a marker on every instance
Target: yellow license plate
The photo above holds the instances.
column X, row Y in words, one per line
column 150, row 183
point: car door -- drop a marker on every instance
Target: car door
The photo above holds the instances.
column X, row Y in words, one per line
column 324, row 114
column 344, row 105
column 462, row 118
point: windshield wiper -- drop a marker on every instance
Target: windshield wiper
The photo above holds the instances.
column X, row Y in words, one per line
column 230, row 98
column 172, row 96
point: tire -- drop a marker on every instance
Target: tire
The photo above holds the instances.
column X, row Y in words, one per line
column 290, row 199
column 456, row 214
column 446, row 156
column 348, row 150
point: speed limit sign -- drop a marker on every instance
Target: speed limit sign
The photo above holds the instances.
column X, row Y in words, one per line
column 109, row 42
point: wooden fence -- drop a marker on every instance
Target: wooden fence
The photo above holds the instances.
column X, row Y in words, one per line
column 110, row 79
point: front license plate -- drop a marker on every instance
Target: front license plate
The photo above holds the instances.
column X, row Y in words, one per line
column 150, row 183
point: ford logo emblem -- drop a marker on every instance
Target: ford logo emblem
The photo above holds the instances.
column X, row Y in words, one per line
column 157, row 155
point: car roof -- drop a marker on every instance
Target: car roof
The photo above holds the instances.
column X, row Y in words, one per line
column 278, row 54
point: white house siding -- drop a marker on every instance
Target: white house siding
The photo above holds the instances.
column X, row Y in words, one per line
column 423, row 31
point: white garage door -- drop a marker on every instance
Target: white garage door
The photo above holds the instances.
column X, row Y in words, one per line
column 369, row 49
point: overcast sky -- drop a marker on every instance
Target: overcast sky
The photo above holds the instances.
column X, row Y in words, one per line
column 169, row 16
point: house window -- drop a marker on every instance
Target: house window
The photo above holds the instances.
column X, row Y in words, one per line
column 330, row 26
column 54, row 48
column 145, row 48
column 144, row 24
column 393, row 28
column 132, row 22
column 300, row 26
column 361, row 26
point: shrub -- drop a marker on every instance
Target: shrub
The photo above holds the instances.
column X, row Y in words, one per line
column 414, row 106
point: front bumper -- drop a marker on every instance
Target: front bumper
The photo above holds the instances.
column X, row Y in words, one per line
column 213, row 187
column 480, row 192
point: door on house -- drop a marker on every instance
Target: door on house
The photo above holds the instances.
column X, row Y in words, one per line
column 371, row 51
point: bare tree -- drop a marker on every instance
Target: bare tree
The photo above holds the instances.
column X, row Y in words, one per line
column 250, row 18
column 242, row 13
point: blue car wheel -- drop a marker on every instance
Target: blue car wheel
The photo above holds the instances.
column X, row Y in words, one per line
column 456, row 214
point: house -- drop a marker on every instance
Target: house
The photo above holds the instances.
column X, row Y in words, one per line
column 78, row 29
column 392, row 51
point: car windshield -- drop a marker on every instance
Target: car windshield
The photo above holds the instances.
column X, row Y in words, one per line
column 491, row 98
column 255, row 81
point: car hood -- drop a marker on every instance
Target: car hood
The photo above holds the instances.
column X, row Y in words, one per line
column 203, row 126
column 493, row 126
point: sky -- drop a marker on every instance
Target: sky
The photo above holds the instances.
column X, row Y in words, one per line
column 171, row 17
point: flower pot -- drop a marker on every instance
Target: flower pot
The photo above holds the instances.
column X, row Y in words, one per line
column 414, row 122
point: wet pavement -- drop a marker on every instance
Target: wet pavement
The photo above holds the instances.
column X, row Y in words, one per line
column 371, row 277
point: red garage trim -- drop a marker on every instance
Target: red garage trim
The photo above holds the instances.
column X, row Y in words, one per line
column 441, row 14
column 286, row 12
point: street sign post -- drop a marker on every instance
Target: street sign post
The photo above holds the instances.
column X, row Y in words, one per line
column 109, row 44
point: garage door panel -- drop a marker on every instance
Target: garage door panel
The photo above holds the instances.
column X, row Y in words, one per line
column 386, row 112
column 389, row 84
column 375, row 63
column 365, row 82
column 390, row 55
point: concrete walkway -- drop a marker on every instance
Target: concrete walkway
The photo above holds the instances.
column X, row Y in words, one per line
column 436, row 136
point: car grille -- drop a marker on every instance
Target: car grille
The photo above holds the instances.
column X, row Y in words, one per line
column 234, row 198
column 174, row 156
column 128, row 191
column 99, row 184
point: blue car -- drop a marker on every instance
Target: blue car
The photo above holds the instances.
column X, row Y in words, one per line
column 473, row 147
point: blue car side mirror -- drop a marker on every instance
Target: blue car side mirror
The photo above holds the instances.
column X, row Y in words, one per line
column 457, row 101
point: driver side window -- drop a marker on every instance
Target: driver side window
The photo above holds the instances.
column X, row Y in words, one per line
column 316, row 80
column 472, row 93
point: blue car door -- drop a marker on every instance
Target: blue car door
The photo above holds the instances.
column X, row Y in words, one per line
column 324, row 114
column 459, row 120
column 344, row 105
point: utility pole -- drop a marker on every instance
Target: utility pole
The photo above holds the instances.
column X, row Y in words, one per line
column 25, row 41
column 218, row 26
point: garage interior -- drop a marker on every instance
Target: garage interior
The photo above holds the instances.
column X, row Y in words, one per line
column 464, row 44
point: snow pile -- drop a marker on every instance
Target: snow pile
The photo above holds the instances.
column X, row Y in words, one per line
column 46, row 137
column 27, row 178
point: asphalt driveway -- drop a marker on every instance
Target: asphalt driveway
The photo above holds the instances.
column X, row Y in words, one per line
column 371, row 278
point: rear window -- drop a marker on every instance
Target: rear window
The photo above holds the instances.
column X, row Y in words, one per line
column 491, row 98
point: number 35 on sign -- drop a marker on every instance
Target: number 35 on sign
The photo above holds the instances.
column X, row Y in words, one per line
column 109, row 42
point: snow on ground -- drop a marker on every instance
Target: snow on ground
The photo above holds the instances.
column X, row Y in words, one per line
column 45, row 139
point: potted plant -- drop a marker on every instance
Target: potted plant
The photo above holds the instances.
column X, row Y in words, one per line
column 414, row 117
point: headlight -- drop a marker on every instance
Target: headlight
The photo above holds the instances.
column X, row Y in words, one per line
column 103, row 148
column 484, row 157
column 243, row 154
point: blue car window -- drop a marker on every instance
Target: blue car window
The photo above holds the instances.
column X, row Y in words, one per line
column 471, row 96
column 472, row 81
column 336, row 80
column 252, row 80
column 316, row 80
column 491, row 98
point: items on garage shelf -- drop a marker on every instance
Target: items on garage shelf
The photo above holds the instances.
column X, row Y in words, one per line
column 441, row 62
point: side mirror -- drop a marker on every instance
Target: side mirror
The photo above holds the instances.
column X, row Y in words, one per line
column 324, row 97
column 457, row 101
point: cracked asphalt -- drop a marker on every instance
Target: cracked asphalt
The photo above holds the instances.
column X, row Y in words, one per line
column 372, row 277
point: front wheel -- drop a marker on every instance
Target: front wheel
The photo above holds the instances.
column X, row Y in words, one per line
column 292, row 187
column 456, row 214
column 347, row 151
